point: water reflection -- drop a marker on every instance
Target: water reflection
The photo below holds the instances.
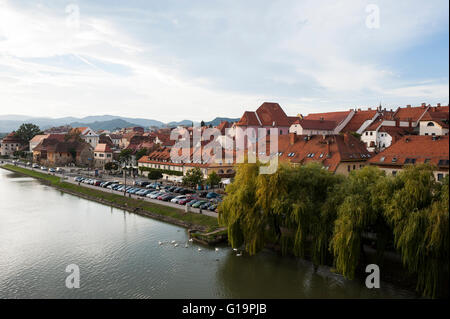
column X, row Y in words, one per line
column 42, row 230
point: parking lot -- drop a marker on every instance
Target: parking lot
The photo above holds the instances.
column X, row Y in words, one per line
column 204, row 202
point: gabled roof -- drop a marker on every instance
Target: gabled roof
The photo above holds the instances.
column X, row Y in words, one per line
column 338, row 117
column 441, row 118
column 268, row 114
column 358, row 120
column 416, row 147
column 102, row 148
column 404, row 114
column 317, row 124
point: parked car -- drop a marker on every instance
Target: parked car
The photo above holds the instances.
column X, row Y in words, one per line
column 35, row 166
column 44, row 168
column 206, row 205
column 151, row 194
column 212, row 207
column 212, row 195
column 167, row 197
column 185, row 200
column 177, row 198
column 202, row 194
column 156, row 195
column 198, row 203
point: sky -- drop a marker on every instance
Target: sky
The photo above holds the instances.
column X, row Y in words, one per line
column 175, row 60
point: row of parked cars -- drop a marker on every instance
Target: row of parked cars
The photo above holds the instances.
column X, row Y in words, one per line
column 42, row 168
column 174, row 194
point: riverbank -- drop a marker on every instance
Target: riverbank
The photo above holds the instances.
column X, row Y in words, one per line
column 192, row 221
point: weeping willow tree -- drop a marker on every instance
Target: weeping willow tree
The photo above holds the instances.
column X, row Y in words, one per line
column 418, row 215
column 358, row 212
column 283, row 208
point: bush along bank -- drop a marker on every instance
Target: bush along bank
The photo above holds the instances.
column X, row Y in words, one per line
column 198, row 222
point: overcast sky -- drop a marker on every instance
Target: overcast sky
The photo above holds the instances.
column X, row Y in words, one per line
column 174, row 60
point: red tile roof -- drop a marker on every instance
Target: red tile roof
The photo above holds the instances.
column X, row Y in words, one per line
column 317, row 124
column 338, row 117
column 103, row 147
column 420, row 148
column 441, row 118
column 405, row 114
column 358, row 120
column 268, row 114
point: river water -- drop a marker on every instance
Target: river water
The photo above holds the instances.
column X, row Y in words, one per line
column 42, row 230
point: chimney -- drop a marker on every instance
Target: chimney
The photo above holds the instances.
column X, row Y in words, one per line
column 346, row 138
column 292, row 138
column 424, row 104
column 328, row 149
column 321, row 118
column 369, row 109
column 439, row 105
column 359, row 110
column 409, row 122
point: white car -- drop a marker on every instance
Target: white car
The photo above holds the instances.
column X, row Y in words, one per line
column 176, row 199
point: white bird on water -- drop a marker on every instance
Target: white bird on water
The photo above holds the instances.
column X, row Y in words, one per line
column 199, row 249
column 191, row 240
column 160, row 242
column 173, row 241
column 235, row 249
column 186, row 246
column 217, row 249
column 176, row 245
column 238, row 254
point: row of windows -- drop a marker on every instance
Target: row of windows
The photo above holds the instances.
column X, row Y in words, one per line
column 349, row 167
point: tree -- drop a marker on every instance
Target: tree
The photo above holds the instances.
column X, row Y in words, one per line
column 27, row 131
column 193, row 177
column 125, row 156
column 140, row 153
column 154, row 175
column 213, row 179
column 110, row 166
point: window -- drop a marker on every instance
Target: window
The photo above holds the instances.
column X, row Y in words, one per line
column 354, row 166
column 394, row 173
column 426, row 133
column 382, row 159
column 427, row 160
column 410, row 161
column 430, row 124
column 394, row 159
column 348, row 168
column 281, row 132
column 371, row 134
column 440, row 176
column 321, row 155
column 443, row 163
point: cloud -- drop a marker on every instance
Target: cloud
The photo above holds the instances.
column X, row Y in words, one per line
column 215, row 58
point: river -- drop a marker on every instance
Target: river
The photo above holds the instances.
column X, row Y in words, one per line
column 42, row 230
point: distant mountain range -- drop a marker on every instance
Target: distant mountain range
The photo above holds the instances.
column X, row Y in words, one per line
column 10, row 123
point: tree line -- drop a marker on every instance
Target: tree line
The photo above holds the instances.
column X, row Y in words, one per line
column 310, row 212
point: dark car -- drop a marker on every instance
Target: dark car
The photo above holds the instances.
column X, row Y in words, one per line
column 178, row 189
column 168, row 197
column 202, row 194
column 206, row 205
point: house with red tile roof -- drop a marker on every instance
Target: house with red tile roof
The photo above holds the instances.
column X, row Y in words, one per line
column 434, row 122
column 56, row 152
column 412, row 150
column 102, row 154
column 87, row 134
column 268, row 116
column 10, row 144
column 361, row 119
column 312, row 127
column 341, row 119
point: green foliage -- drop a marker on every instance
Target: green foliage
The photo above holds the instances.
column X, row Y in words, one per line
column 213, row 179
column 193, row 177
column 27, row 131
column 309, row 210
column 111, row 166
column 125, row 155
column 140, row 153
column 154, row 175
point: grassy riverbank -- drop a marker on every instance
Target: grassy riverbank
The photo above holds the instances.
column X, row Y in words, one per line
column 193, row 220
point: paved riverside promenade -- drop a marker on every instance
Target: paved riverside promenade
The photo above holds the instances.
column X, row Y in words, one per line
column 70, row 179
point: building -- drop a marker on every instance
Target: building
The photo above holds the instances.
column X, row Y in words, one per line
column 339, row 154
column 434, row 122
column 361, row 119
column 341, row 119
column 54, row 152
column 312, row 127
column 87, row 134
column 10, row 144
column 102, row 154
column 412, row 150
column 268, row 115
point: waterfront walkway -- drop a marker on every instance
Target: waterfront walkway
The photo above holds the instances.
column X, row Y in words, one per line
column 70, row 179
